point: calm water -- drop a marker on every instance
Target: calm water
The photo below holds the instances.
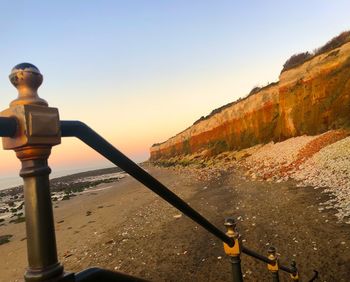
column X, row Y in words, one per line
column 8, row 182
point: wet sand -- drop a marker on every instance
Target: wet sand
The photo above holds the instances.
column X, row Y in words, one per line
column 127, row 228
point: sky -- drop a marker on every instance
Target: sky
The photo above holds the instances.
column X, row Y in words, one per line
column 138, row 72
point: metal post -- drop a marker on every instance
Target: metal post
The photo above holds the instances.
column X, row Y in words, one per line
column 273, row 265
column 37, row 131
column 234, row 251
column 236, row 269
column 295, row 274
column 275, row 276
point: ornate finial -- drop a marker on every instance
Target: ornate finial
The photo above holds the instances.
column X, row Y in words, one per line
column 233, row 249
column 271, row 251
column 293, row 264
column 230, row 224
column 27, row 79
column 230, row 221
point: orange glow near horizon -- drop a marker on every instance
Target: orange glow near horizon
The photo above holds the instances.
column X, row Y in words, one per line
column 143, row 76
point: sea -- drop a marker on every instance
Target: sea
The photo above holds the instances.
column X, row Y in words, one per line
column 12, row 181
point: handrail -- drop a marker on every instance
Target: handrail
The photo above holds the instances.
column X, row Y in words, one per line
column 98, row 143
column 262, row 258
column 31, row 131
column 80, row 130
column 91, row 138
column 97, row 274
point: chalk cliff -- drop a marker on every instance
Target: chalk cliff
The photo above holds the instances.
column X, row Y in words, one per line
column 308, row 99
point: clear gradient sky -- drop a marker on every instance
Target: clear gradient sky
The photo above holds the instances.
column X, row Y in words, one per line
column 138, row 72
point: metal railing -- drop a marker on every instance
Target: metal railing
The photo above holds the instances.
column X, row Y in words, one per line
column 31, row 128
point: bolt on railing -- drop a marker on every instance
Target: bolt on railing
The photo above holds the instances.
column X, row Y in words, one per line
column 31, row 128
column 235, row 251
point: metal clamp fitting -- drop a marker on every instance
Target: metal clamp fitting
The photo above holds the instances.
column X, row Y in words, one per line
column 230, row 224
column 273, row 265
column 295, row 274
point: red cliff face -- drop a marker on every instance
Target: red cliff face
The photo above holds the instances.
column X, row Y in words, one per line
column 309, row 99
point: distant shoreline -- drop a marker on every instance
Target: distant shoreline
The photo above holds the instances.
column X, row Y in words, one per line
column 62, row 188
column 15, row 189
column 13, row 182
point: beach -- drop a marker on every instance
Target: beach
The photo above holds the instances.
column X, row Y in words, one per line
column 125, row 227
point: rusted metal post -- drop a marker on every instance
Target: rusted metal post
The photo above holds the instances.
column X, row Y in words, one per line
column 273, row 265
column 38, row 129
column 234, row 252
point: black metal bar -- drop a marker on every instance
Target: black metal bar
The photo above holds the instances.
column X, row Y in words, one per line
column 286, row 269
column 95, row 141
column 255, row 255
column 314, row 277
column 97, row 274
column 8, row 127
column 91, row 138
column 264, row 259
column 236, row 269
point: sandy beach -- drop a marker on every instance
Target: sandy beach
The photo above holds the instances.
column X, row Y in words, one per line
column 122, row 226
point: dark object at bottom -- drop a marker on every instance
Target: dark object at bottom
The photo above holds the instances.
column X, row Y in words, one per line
column 315, row 276
column 97, row 274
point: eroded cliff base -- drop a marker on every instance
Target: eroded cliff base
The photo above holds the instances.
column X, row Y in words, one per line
column 320, row 161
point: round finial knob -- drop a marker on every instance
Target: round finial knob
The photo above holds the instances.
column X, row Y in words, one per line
column 271, row 250
column 27, row 79
column 230, row 222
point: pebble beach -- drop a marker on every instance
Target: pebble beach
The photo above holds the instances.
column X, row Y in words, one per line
column 292, row 194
